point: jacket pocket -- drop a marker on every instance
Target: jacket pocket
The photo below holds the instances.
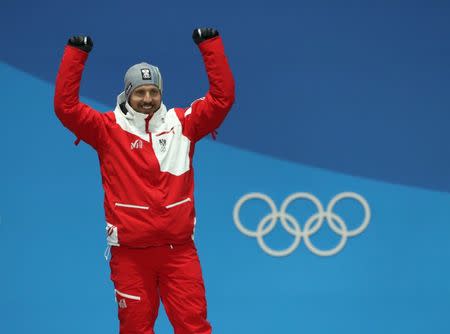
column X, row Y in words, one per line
column 132, row 206
column 123, row 299
column 178, row 203
column 126, row 295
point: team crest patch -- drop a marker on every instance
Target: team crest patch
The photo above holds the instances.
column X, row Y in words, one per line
column 146, row 75
column 162, row 144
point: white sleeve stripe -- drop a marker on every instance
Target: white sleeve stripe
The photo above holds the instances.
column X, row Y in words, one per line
column 199, row 99
column 189, row 111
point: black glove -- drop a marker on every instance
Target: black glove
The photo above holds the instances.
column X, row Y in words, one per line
column 202, row 34
column 84, row 43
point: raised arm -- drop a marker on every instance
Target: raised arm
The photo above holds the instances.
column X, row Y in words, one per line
column 206, row 114
column 85, row 122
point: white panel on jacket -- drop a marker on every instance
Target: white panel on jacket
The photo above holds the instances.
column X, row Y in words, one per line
column 112, row 236
column 171, row 147
column 129, row 125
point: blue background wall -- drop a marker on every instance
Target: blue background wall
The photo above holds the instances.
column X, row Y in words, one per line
column 331, row 97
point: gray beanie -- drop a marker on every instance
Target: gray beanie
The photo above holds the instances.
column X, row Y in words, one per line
column 141, row 74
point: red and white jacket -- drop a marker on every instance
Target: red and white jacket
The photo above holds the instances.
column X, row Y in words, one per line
column 146, row 163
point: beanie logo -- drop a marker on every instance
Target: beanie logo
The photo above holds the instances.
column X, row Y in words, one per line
column 146, row 75
column 128, row 89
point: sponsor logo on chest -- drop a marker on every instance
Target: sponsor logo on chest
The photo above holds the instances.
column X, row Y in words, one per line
column 137, row 144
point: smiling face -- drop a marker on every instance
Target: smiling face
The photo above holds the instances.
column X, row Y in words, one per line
column 145, row 99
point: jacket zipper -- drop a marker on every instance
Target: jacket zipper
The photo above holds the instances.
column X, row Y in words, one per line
column 165, row 132
column 147, row 121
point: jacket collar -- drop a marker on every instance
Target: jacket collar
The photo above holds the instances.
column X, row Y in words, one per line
column 139, row 120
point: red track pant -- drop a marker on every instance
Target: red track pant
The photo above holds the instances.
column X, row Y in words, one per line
column 143, row 276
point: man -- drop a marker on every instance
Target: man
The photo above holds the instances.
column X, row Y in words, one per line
column 145, row 153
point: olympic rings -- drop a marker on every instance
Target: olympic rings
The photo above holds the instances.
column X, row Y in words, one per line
column 291, row 225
